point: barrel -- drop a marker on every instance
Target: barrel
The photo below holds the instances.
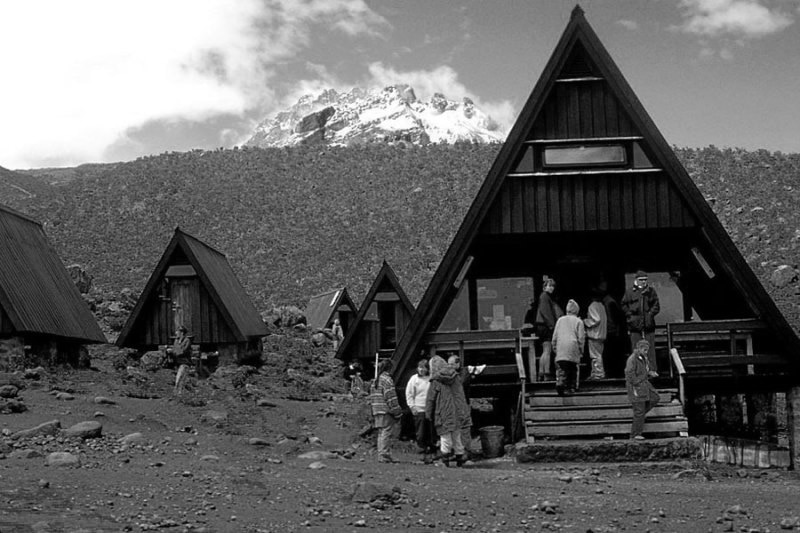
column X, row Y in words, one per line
column 492, row 441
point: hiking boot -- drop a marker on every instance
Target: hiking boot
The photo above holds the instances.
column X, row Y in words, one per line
column 446, row 458
column 460, row 460
column 386, row 459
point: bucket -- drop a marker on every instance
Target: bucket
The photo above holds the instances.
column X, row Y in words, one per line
column 492, row 441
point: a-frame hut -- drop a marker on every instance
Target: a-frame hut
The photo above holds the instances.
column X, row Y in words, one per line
column 194, row 286
column 585, row 187
column 382, row 318
column 324, row 308
column 42, row 314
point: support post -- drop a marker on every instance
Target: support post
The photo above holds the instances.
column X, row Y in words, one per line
column 793, row 423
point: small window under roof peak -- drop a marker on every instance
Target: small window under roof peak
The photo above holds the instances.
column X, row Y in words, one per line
column 584, row 155
column 578, row 65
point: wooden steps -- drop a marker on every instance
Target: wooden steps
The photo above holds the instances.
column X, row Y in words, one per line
column 599, row 410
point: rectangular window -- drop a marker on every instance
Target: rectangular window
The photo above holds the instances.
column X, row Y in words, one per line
column 502, row 302
column 584, row 155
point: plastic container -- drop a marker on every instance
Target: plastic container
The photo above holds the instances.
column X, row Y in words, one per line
column 492, row 441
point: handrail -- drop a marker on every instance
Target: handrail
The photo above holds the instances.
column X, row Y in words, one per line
column 522, row 380
column 679, row 368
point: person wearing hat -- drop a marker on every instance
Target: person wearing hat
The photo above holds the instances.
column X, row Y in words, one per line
column 641, row 393
column 641, row 306
column 569, row 337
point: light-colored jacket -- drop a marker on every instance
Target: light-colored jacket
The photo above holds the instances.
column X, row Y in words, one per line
column 569, row 335
column 596, row 321
column 417, row 392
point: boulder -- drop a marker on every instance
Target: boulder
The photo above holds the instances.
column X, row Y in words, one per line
column 102, row 400
column 47, row 428
column 62, row 459
column 85, row 430
column 24, row 454
column 255, row 441
column 319, row 339
column 214, row 418
column 10, row 378
column 132, row 438
column 8, row 391
column 11, row 405
column 783, row 276
column 366, row 492
column 65, row 396
column 80, row 277
column 317, row 455
column 285, row 316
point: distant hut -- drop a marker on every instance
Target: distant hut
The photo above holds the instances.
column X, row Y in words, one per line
column 380, row 322
column 194, row 286
column 42, row 314
column 325, row 307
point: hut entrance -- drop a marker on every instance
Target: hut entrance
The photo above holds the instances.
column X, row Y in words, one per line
column 181, row 294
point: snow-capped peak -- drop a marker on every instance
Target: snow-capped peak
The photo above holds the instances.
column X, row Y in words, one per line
column 390, row 114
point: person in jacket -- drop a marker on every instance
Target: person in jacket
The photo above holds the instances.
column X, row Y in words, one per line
column 181, row 350
column 446, row 407
column 385, row 410
column 547, row 313
column 596, row 323
column 568, row 340
column 466, row 373
column 641, row 306
column 416, row 396
column 338, row 334
column 641, row 393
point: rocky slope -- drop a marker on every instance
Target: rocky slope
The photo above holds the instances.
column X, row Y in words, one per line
column 392, row 114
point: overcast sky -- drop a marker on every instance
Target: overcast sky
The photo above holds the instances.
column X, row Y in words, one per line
column 100, row 81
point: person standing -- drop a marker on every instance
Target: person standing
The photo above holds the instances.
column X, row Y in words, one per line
column 338, row 334
column 547, row 313
column 568, row 340
column 596, row 327
column 641, row 393
column 385, row 410
column 416, row 396
column 641, row 306
column 446, row 407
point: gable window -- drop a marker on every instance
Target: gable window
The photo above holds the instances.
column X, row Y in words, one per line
column 584, row 155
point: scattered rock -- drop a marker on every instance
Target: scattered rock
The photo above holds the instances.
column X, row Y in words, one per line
column 368, row 491
column 212, row 458
column 47, row 428
column 85, row 430
column 132, row 438
column 214, row 418
column 255, row 441
column 783, row 276
column 790, row 523
column 62, row 459
column 24, row 454
column 8, row 391
column 9, row 406
column 104, row 401
column 317, row 455
column 266, row 403
column 64, row 396
column 689, row 472
column 316, row 465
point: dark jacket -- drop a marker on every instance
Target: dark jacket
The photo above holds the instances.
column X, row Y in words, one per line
column 547, row 314
column 446, row 406
column 615, row 316
column 641, row 307
column 636, row 380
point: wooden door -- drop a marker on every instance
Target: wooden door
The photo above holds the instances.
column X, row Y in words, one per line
column 181, row 294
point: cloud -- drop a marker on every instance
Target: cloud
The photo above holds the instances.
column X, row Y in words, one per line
column 750, row 19
column 80, row 76
column 628, row 24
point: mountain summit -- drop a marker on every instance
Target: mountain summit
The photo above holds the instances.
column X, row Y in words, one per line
column 388, row 115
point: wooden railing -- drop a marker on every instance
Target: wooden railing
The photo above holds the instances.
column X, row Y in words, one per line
column 677, row 366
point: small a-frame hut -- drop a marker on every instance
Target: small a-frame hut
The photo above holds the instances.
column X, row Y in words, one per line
column 381, row 320
column 327, row 306
column 586, row 188
column 41, row 311
column 194, row 286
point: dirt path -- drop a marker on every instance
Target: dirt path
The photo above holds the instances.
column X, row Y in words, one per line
column 185, row 474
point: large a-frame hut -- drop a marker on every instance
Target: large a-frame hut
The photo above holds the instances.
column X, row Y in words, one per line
column 381, row 320
column 325, row 307
column 586, row 188
column 194, row 286
column 42, row 314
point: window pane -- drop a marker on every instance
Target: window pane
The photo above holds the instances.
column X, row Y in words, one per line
column 584, row 155
column 457, row 317
column 670, row 297
column 502, row 302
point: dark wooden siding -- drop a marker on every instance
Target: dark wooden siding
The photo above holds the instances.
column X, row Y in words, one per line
column 155, row 326
column 589, row 202
column 5, row 323
column 367, row 337
column 579, row 110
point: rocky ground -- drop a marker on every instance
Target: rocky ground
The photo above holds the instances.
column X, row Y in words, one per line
column 278, row 449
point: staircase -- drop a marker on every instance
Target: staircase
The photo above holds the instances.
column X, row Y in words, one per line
column 598, row 410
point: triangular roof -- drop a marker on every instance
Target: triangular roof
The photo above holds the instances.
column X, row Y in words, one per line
column 321, row 307
column 386, row 276
column 579, row 52
column 218, row 278
column 36, row 292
